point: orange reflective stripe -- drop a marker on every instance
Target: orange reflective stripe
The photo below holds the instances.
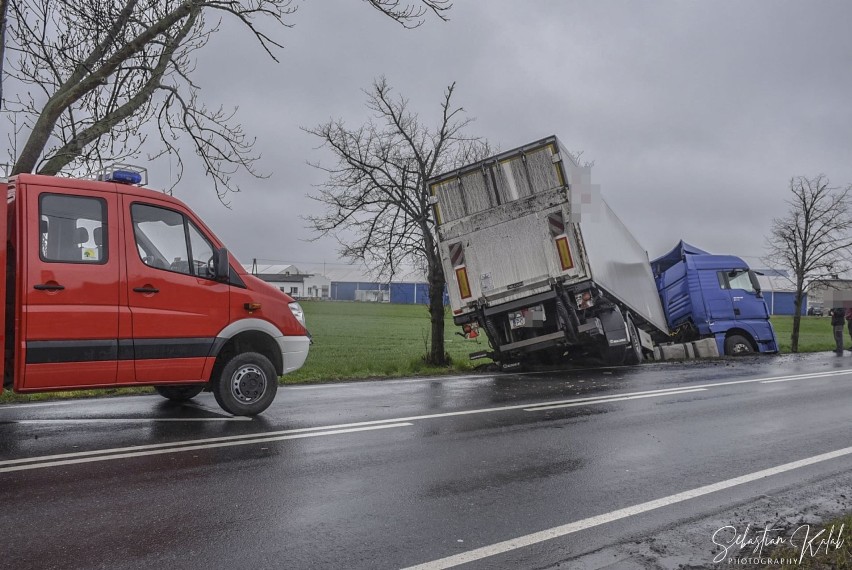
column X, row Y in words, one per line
column 464, row 285
column 565, row 258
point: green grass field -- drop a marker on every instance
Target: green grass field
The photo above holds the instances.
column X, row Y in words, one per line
column 815, row 334
column 351, row 341
column 378, row 340
column 362, row 340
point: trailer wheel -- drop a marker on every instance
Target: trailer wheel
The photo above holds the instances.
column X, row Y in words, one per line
column 178, row 393
column 634, row 353
column 738, row 345
column 247, row 385
column 613, row 355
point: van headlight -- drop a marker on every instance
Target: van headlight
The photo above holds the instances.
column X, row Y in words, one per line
column 298, row 312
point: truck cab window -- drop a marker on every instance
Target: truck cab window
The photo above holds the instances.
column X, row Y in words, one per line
column 72, row 229
column 167, row 240
column 738, row 279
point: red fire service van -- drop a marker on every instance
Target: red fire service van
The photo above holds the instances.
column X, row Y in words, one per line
column 110, row 284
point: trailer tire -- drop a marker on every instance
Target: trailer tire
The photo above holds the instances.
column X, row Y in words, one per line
column 738, row 345
column 634, row 353
column 179, row 393
column 247, row 384
column 613, row 355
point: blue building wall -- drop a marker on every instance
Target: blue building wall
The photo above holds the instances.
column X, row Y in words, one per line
column 783, row 302
column 405, row 293
column 346, row 290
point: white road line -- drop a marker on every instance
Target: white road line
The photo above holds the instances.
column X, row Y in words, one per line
column 480, row 376
column 71, row 401
column 184, row 449
column 570, row 528
column 578, row 401
column 383, row 382
column 126, row 420
column 607, row 400
column 807, row 377
column 533, row 406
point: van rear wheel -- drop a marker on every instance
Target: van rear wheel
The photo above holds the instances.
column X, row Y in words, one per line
column 247, row 384
column 178, row 393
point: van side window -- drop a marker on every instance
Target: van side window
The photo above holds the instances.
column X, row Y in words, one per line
column 167, row 240
column 201, row 251
column 72, row 229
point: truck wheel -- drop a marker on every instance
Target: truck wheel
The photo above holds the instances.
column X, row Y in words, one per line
column 634, row 353
column 547, row 357
column 178, row 393
column 737, row 345
column 613, row 355
column 247, row 384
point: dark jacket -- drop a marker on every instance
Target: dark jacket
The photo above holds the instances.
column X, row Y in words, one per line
column 837, row 317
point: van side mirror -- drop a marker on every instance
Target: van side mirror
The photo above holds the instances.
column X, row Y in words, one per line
column 221, row 267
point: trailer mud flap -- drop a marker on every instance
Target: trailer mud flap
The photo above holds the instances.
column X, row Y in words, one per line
column 615, row 330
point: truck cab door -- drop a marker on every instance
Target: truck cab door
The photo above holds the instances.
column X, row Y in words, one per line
column 746, row 302
column 177, row 307
column 71, row 289
column 717, row 297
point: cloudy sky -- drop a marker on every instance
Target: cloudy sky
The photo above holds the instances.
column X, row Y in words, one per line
column 696, row 114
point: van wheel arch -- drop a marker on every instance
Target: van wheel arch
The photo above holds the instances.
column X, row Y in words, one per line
column 249, row 341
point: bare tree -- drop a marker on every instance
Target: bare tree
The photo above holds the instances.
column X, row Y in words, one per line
column 812, row 240
column 4, row 11
column 90, row 77
column 376, row 199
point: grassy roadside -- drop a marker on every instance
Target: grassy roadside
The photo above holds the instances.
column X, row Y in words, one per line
column 366, row 340
column 817, row 556
column 351, row 341
column 815, row 334
column 373, row 340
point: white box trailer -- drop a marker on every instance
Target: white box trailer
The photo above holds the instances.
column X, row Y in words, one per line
column 535, row 257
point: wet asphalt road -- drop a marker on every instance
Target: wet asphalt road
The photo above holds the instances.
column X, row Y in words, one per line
column 398, row 473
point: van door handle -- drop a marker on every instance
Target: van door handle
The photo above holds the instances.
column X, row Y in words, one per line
column 49, row 287
column 146, row 290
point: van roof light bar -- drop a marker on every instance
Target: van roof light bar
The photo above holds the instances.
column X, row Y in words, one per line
column 124, row 174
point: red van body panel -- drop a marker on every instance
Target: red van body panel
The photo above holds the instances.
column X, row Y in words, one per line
column 58, row 352
column 101, row 298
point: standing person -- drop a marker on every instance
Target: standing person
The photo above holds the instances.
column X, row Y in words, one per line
column 848, row 316
column 837, row 324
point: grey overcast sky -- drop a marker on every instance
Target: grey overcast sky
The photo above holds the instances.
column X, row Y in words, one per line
column 697, row 114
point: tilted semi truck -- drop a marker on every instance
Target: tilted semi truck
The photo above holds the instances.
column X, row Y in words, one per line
column 536, row 258
column 713, row 296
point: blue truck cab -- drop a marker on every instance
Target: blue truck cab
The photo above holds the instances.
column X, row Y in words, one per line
column 713, row 296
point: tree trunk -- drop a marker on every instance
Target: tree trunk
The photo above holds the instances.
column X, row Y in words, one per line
column 4, row 10
column 437, row 353
column 797, row 319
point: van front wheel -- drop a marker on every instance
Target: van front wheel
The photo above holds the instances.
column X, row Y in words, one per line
column 247, row 384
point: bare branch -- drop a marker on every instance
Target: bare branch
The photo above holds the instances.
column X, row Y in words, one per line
column 412, row 15
column 375, row 195
column 813, row 240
